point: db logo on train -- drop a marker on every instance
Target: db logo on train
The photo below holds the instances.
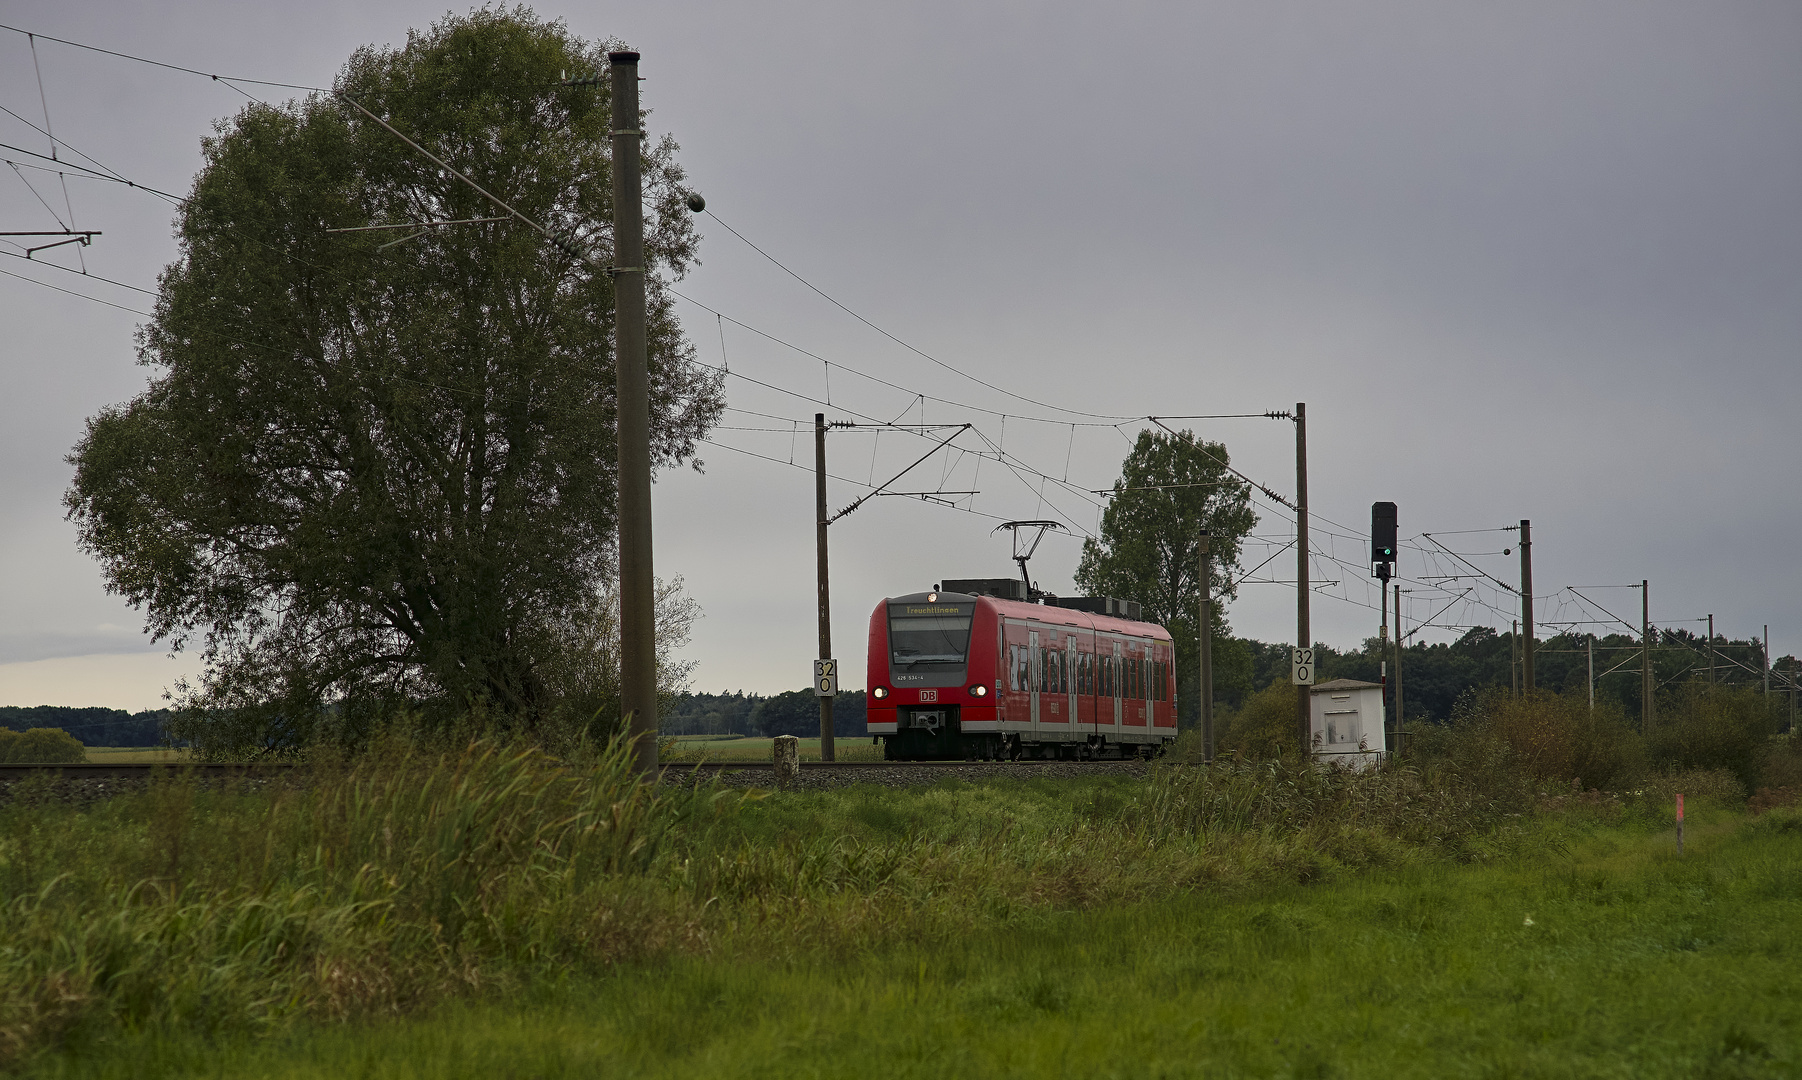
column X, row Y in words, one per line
column 929, row 695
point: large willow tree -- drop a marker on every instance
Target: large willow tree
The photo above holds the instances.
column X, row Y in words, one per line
column 378, row 467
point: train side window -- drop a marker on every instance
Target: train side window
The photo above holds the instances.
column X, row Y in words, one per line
column 1013, row 667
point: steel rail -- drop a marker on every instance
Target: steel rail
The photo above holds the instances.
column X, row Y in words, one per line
column 92, row 770
column 112, row 770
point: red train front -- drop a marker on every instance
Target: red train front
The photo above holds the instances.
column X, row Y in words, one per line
column 955, row 675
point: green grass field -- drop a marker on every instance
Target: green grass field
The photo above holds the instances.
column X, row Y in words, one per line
column 1615, row 958
column 489, row 912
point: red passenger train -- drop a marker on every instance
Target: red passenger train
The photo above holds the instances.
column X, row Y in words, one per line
column 960, row 676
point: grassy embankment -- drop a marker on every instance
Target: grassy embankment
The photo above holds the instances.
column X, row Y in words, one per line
column 486, row 914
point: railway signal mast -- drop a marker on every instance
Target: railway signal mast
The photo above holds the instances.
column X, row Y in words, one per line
column 1382, row 567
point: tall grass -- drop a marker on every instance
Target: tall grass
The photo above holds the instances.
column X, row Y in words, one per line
column 1621, row 960
column 407, row 876
column 398, row 879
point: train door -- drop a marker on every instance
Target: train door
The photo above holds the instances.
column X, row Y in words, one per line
column 1019, row 677
column 1118, row 697
column 1145, row 685
column 1036, row 666
column 1166, row 688
column 1135, row 684
column 1069, row 682
column 1085, row 682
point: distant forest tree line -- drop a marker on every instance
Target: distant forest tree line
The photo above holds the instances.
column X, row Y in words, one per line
column 1434, row 678
column 92, row 726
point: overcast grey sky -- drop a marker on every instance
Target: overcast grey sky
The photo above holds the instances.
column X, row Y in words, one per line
column 1520, row 260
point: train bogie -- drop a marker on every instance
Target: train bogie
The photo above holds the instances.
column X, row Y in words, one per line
column 954, row 676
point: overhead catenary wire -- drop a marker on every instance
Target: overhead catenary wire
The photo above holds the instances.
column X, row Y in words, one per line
column 905, row 345
column 1010, row 461
column 31, row 34
column 560, row 242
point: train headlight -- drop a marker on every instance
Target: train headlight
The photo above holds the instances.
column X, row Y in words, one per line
column 879, row 693
column 979, row 690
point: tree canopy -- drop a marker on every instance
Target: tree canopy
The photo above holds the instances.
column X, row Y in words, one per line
column 379, row 466
column 1171, row 487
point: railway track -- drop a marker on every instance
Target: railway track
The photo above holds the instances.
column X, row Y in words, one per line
column 104, row 770
column 92, row 770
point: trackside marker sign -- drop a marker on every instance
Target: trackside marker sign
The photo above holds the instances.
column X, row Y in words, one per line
column 1301, row 667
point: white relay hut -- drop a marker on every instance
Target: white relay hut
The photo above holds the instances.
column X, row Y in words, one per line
column 1346, row 718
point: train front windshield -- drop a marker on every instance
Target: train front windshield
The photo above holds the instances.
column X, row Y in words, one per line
column 927, row 638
